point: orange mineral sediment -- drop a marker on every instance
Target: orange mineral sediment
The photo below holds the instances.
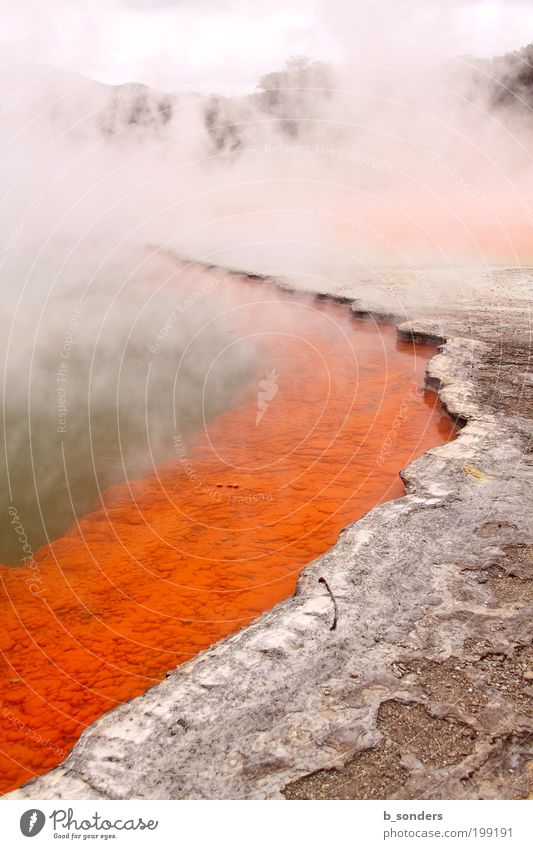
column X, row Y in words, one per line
column 166, row 565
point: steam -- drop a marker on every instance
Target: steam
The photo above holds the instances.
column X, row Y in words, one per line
column 401, row 165
column 322, row 171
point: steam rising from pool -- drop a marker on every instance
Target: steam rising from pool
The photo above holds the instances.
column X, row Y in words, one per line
column 313, row 434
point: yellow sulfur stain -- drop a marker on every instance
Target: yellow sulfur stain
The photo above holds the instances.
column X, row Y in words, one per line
column 471, row 470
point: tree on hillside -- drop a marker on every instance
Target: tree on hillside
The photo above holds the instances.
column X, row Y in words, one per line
column 295, row 93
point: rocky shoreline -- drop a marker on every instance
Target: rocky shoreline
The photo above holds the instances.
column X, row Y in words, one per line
column 424, row 688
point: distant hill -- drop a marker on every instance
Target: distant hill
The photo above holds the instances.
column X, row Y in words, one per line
column 71, row 102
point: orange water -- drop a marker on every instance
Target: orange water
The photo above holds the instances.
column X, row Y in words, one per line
column 169, row 564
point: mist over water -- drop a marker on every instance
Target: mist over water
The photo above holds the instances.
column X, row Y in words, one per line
column 393, row 164
column 99, row 377
column 202, row 544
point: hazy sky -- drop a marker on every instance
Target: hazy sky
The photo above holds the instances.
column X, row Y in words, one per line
column 226, row 44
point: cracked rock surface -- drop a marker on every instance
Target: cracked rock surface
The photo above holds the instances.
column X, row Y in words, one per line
column 424, row 688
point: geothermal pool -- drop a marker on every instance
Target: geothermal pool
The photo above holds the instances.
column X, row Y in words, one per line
column 197, row 544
